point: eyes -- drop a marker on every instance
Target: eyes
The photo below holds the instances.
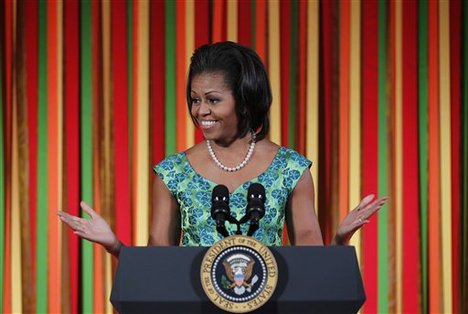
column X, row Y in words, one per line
column 210, row 100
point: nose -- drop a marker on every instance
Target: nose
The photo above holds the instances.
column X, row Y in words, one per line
column 204, row 109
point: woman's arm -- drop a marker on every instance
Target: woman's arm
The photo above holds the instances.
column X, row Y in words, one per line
column 303, row 226
column 357, row 218
column 165, row 222
column 94, row 229
column 165, row 227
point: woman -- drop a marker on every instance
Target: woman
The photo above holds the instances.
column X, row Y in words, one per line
column 229, row 96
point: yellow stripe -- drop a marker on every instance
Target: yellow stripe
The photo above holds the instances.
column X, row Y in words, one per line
column 398, row 157
column 312, row 89
column 15, row 247
column 445, row 154
column 355, row 116
column 16, row 286
column 108, row 281
column 189, row 46
column 274, row 69
column 143, row 163
column 232, row 20
column 107, row 188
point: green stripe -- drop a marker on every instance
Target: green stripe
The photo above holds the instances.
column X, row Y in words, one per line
column 2, row 184
column 423, row 146
column 42, row 168
column 130, row 77
column 170, row 112
column 293, row 88
column 382, row 167
column 86, row 148
column 464, row 181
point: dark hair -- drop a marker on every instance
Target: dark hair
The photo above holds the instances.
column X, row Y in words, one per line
column 246, row 76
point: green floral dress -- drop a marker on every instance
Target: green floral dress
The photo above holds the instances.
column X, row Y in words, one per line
column 193, row 193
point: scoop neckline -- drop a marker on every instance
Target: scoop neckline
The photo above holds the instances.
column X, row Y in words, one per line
column 255, row 179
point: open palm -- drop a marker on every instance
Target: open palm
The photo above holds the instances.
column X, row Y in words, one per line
column 358, row 217
column 95, row 229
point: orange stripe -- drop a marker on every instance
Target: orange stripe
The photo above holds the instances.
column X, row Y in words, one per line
column 344, row 109
column 260, row 27
column 434, row 187
column 54, row 290
column 218, row 20
column 181, row 107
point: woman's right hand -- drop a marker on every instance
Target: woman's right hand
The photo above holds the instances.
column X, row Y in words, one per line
column 95, row 229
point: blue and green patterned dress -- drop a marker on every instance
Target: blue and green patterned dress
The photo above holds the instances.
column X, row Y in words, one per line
column 193, row 193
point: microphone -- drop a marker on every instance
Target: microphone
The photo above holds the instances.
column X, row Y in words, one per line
column 255, row 206
column 220, row 211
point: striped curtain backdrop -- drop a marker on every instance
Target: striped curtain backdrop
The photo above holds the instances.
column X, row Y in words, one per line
column 374, row 92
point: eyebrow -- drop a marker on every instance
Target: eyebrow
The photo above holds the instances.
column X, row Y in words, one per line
column 208, row 92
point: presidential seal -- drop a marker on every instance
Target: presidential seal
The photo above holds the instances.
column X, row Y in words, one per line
column 239, row 274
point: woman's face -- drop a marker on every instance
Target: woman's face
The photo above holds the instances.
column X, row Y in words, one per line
column 214, row 107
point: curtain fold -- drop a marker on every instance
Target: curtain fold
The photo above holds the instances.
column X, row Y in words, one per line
column 92, row 95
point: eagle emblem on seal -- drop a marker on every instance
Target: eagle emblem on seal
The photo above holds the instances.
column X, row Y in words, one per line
column 239, row 268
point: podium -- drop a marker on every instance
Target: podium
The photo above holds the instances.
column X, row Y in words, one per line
column 167, row 280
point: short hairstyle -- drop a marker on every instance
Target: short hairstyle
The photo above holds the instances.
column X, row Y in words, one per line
column 246, row 76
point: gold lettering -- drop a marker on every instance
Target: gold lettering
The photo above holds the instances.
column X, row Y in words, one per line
column 252, row 243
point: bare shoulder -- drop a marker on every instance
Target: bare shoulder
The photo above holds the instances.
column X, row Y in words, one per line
column 197, row 152
column 267, row 147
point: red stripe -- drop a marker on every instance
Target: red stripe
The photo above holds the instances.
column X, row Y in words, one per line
column 119, row 36
column 285, row 42
column 410, row 165
column 302, row 67
column 71, row 137
column 326, row 33
column 455, row 99
column 244, row 25
column 435, row 257
column 369, row 145
column 218, row 27
column 31, row 21
column 53, row 283
column 157, row 57
column 202, row 36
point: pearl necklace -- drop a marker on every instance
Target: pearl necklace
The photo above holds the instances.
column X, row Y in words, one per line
column 239, row 166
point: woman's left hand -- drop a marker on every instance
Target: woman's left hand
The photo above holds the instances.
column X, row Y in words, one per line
column 358, row 217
